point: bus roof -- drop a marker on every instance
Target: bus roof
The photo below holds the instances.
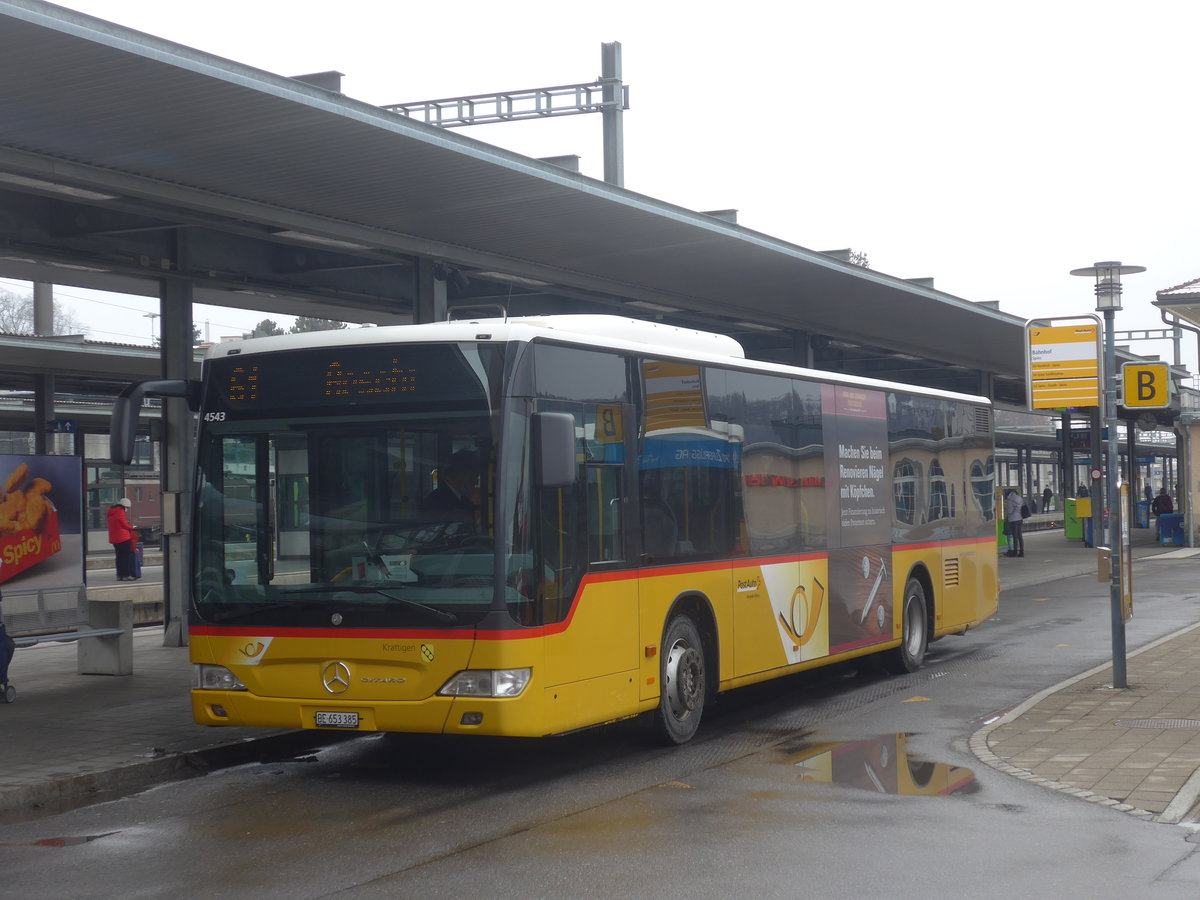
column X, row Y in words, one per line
column 594, row 331
column 615, row 331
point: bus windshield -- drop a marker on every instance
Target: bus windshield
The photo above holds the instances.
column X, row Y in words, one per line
column 342, row 515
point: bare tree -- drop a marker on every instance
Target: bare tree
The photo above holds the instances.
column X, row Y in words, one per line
column 16, row 316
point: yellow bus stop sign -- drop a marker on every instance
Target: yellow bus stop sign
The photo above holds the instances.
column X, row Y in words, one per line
column 1063, row 363
column 1145, row 385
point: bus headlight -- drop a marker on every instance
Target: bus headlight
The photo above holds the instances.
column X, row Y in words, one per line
column 215, row 678
column 487, row 683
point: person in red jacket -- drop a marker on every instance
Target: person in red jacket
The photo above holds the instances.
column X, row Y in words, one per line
column 122, row 536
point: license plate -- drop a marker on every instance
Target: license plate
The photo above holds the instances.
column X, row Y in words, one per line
column 337, row 720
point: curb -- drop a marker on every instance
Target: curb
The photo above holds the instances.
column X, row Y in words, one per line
column 75, row 791
column 1178, row 808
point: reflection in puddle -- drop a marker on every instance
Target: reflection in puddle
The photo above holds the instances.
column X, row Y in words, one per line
column 880, row 765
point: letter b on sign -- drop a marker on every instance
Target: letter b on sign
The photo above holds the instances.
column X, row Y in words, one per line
column 1146, row 385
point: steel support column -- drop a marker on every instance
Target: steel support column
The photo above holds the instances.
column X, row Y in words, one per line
column 1066, row 461
column 43, row 412
column 1097, row 489
column 612, row 114
column 430, row 291
column 43, row 385
column 175, row 308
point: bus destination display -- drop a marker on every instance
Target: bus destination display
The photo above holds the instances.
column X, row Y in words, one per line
column 338, row 381
column 355, row 376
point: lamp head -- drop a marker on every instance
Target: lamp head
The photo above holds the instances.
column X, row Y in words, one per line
column 1108, row 282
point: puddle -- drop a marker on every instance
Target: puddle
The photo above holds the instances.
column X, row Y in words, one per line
column 881, row 765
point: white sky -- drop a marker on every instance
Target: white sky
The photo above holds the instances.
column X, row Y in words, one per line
column 992, row 147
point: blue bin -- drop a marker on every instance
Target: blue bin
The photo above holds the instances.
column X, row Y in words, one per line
column 1088, row 537
column 1143, row 514
column 1170, row 529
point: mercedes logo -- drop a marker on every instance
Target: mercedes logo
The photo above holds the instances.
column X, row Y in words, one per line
column 336, row 678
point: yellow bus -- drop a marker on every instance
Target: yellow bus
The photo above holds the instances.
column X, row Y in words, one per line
column 529, row 526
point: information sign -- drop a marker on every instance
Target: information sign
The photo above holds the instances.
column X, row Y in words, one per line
column 1063, row 364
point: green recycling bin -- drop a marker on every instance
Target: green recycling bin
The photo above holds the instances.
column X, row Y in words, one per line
column 1072, row 524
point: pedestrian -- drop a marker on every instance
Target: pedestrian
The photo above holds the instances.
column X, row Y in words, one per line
column 6, row 653
column 122, row 537
column 1047, row 499
column 1015, row 511
column 1161, row 506
column 135, row 555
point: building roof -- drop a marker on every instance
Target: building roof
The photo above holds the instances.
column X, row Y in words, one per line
column 1182, row 301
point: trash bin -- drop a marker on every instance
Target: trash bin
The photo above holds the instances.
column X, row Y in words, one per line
column 1143, row 514
column 1170, row 529
column 1072, row 524
column 1088, row 527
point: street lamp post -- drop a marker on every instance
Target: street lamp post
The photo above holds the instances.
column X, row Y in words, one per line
column 1108, row 301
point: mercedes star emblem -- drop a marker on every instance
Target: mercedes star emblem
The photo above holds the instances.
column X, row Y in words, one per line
column 336, row 677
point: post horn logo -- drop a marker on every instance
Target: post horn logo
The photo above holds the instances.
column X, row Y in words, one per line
column 804, row 614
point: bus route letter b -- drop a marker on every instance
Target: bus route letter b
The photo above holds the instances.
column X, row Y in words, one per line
column 1145, row 386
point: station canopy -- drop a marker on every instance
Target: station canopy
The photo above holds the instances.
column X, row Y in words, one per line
column 126, row 160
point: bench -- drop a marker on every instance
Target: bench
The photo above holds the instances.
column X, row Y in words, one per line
column 101, row 628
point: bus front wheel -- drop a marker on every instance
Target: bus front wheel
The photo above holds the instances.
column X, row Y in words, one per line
column 914, row 631
column 683, row 680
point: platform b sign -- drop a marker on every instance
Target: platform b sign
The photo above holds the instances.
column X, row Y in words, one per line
column 1145, row 385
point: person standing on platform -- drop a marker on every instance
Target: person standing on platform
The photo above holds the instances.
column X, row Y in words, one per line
column 121, row 535
column 1161, row 506
column 6, row 654
column 1014, row 505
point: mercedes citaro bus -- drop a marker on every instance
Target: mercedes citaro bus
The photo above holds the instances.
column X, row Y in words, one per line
column 529, row 526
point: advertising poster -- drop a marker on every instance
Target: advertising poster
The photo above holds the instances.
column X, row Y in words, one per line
column 41, row 519
column 860, row 528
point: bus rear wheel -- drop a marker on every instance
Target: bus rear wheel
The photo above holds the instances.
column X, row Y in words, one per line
column 914, row 631
column 683, row 680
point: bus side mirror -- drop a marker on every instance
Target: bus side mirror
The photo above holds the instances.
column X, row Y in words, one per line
column 554, row 449
column 129, row 403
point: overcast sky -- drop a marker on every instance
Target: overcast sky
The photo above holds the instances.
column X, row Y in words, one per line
column 993, row 147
